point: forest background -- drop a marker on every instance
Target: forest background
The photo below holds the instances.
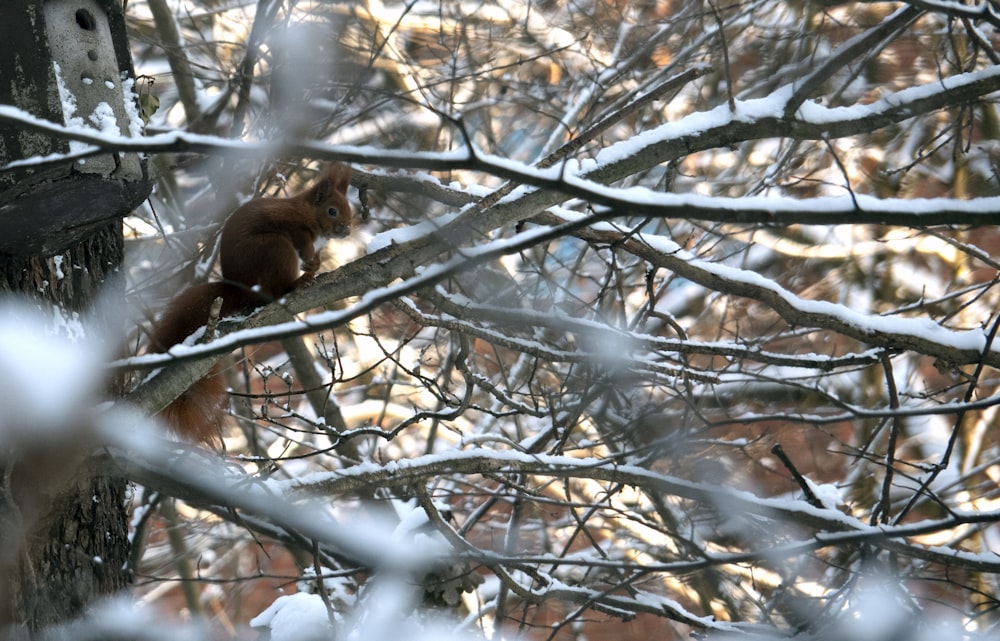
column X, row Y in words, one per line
column 659, row 318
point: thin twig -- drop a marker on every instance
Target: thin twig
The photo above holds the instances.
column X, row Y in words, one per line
column 882, row 513
column 725, row 57
column 801, row 480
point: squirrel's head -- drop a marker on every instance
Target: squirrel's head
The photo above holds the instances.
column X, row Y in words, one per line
column 329, row 196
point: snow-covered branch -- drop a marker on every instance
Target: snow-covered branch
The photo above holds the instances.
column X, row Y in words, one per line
column 754, row 119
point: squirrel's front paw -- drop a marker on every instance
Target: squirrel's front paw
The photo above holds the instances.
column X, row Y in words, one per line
column 311, row 266
column 306, row 279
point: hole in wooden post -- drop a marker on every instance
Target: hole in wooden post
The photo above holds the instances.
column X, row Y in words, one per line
column 85, row 19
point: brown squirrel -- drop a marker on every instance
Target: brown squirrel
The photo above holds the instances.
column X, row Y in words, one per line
column 262, row 244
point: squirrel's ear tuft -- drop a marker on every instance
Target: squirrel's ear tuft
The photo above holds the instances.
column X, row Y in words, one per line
column 336, row 178
column 322, row 189
column 341, row 176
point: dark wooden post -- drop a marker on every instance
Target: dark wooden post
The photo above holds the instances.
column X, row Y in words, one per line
column 66, row 61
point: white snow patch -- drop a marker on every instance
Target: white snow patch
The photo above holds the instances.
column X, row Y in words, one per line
column 68, row 101
column 46, row 371
column 296, row 617
column 135, row 124
column 104, row 119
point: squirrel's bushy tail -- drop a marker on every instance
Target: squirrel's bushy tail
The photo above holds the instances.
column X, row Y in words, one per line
column 197, row 414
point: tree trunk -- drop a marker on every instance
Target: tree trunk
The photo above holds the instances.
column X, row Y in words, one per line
column 76, row 550
column 63, row 529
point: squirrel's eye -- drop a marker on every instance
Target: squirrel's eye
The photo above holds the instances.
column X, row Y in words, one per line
column 332, row 211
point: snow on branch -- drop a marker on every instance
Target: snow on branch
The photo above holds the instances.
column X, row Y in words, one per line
column 753, row 119
column 921, row 335
column 834, row 527
column 206, row 481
